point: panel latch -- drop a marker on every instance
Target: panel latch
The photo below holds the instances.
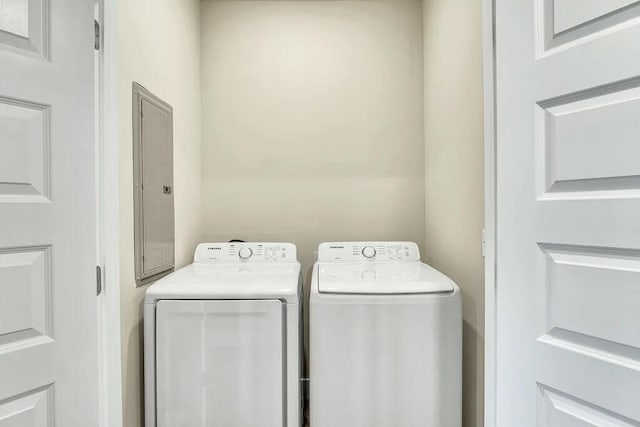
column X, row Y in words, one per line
column 96, row 34
column 98, row 280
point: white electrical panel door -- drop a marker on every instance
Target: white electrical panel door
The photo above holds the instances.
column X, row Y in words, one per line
column 157, row 191
column 153, row 173
column 220, row 363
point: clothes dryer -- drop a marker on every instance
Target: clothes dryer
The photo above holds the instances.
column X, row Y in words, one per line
column 222, row 339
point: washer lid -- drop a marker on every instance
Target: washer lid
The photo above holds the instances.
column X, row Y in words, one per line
column 381, row 278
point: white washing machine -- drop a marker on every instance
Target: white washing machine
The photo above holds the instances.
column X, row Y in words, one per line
column 222, row 339
column 385, row 339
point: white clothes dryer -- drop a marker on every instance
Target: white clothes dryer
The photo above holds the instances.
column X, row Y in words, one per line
column 222, row 339
column 385, row 339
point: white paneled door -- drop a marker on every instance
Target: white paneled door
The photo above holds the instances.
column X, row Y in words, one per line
column 48, row 333
column 568, row 213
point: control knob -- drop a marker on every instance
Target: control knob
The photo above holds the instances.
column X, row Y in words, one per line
column 245, row 253
column 368, row 252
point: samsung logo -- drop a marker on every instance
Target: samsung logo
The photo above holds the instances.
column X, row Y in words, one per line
column 336, row 247
column 215, row 249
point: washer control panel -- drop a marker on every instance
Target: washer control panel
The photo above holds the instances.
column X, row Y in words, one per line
column 368, row 251
column 236, row 252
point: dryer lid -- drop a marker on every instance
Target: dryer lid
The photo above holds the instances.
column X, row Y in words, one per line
column 381, row 278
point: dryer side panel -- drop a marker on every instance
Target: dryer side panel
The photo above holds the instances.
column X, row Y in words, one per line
column 219, row 363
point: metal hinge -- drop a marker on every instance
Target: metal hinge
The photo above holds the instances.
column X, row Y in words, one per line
column 96, row 35
column 98, row 280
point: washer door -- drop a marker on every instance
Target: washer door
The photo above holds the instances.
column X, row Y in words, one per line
column 219, row 363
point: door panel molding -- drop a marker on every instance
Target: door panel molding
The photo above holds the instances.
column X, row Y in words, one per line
column 24, row 153
column 26, row 31
column 579, row 120
column 557, row 31
column 559, row 409
column 26, row 310
column 34, row 407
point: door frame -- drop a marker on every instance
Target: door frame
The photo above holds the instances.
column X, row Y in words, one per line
column 108, row 224
column 490, row 200
column 109, row 345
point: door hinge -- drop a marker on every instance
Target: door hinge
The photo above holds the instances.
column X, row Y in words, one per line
column 98, row 280
column 96, row 35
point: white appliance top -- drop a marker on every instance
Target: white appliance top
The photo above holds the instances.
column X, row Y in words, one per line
column 233, row 271
column 377, row 268
column 368, row 251
column 242, row 253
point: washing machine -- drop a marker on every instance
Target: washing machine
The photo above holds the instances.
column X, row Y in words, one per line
column 385, row 339
column 222, row 339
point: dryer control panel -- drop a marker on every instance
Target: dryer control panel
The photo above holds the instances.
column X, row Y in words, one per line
column 368, row 251
column 243, row 252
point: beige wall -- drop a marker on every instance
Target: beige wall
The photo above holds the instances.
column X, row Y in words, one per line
column 454, row 171
column 159, row 47
column 313, row 121
column 315, row 117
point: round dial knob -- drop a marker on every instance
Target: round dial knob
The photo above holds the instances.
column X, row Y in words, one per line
column 245, row 253
column 368, row 252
